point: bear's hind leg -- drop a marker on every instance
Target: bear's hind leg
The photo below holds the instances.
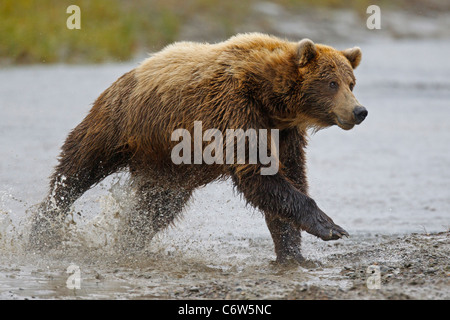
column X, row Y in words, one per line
column 66, row 186
column 157, row 207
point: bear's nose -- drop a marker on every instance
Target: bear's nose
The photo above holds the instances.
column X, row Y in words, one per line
column 360, row 114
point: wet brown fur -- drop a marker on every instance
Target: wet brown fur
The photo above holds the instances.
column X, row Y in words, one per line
column 249, row 81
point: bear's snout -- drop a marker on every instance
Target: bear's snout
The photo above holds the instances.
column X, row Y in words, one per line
column 360, row 114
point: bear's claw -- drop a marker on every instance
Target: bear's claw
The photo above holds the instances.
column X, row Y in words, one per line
column 333, row 234
column 323, row 227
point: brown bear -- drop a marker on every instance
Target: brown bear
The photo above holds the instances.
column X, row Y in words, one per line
column 251, row 81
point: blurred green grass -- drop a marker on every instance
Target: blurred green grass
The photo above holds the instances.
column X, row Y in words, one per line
column 34, row 31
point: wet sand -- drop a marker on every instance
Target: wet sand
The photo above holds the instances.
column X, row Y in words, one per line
column 413, row 266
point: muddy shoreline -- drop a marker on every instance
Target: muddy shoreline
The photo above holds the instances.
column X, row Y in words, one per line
column 414, row 266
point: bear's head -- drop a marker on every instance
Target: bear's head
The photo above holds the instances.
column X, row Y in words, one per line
column 327, row 84
column 322, row 95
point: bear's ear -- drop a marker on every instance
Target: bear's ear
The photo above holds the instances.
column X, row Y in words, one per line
column 306, row 51
column 353, row 55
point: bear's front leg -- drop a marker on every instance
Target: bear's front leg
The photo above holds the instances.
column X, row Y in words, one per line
column 278, row 198
column 286, row 239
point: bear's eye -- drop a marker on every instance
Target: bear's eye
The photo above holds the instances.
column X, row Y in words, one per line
column 351, row 86
column 333, row 85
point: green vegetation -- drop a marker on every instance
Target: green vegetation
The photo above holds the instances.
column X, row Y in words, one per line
column 34, row 31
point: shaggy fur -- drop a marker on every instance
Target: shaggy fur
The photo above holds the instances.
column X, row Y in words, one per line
column 249, row 81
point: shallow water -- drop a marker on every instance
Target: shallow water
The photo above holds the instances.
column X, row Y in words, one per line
column 387, row 176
